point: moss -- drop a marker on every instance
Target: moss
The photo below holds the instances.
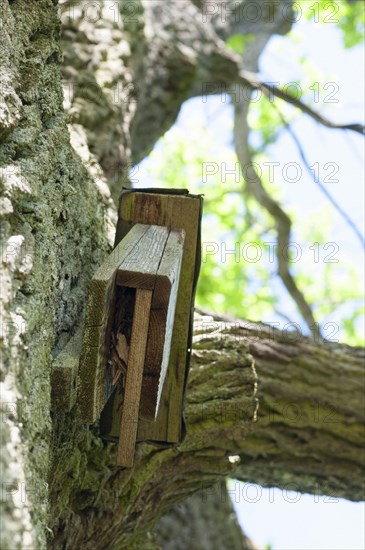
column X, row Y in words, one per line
column 51, row 195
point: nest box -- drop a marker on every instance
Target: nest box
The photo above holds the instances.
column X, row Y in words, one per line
column 130, row 370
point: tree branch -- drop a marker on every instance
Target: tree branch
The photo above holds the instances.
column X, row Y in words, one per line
column 308, row 434
column 252, row 81
column 319, row 184
column 256, row 188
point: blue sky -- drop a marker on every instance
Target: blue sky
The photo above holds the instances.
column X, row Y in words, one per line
column 291, row 521
column 337, row 156
column 282, row 519
column 310, row 523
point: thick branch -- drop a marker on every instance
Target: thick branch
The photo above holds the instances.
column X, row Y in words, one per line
column 166, row 54
column 309, row 434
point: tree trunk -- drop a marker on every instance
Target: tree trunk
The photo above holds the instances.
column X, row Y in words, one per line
column 204, row 521
column 126, row 72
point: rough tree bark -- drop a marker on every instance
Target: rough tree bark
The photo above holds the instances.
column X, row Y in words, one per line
column 127, row 67
column 202, row 522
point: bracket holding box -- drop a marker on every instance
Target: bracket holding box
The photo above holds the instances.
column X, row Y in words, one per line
column 136, row 342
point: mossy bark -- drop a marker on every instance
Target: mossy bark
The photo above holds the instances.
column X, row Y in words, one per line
column 309, row 431
column 49, row 250
column 203, row 522
column 124, row 79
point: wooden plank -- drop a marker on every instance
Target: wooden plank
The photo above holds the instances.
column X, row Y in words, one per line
column 129, row 420
column 171, row 210
column 65, row 367
column 161, row 324
column 158, row 258
column 94, row 388
column 103, row 276
column 139, row 268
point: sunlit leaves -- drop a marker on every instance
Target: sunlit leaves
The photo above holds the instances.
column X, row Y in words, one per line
column 331, row 283
column 233, row 278
column 237, row 42
column 347, row 15
column 238, row 238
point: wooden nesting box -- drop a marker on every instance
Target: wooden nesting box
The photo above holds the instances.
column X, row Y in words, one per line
column 132, row 294
column 137, row 336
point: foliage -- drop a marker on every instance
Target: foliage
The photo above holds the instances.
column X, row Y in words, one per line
column 238, row 273
column 349, row 17
column 238, row 270
column 238, row 42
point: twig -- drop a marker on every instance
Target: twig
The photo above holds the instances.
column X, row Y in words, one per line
column 252, row 81
column 320, row 185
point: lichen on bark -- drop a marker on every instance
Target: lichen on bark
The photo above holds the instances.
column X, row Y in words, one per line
column 124, row 80
column 49, row 250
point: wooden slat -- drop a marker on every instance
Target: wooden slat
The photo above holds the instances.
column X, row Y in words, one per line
column 64, row 374
column 161, row 324
column 97, row 294
column 139, row 268
column 171, row 210
column 137, row 351
column 94, row 387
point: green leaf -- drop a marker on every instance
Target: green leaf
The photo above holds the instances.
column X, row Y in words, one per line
column 237, row 42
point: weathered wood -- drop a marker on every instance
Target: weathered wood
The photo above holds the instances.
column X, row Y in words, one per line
column 155, row 264
column 148, row 258
column 161, row 324
column 94, row 389
column 172, row 210
column 139, row 268
column 64, row 374
column 137, row 352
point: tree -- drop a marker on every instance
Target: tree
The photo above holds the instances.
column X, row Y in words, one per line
column 126, row 69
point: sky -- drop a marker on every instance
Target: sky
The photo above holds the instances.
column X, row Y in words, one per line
column 285, row 520
column 305, row 522
column 336, row 156
column 288, row 520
